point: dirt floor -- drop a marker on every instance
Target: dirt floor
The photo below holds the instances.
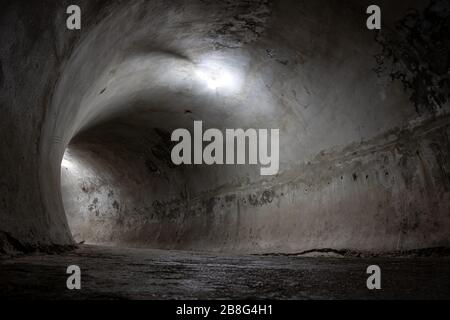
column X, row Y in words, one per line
column 122, row 273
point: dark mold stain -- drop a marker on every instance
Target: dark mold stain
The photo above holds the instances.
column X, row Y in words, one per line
column 264, row 198
column 283, row 62
column 267, row 196
column 162, row 150
column 253, row 199
column 151, row 166
column 230, row 197
column 409, row 222
column 158, row 208
column 416, row 52
column 115, row 205
column 209, row 204
column 86, row 187
column 272, row 55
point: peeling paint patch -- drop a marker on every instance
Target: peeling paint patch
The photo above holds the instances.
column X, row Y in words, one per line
column 115, row 205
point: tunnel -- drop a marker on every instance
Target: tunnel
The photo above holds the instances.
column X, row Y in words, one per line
column 88, row 118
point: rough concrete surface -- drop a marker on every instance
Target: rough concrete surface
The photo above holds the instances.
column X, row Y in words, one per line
column 113, row 273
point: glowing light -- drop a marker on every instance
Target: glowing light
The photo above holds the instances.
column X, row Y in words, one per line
column 217, row 76
column 67, row 164
column 216, row 80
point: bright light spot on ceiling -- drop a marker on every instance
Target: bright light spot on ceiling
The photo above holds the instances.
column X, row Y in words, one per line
column 217, row 76
column 215, row 80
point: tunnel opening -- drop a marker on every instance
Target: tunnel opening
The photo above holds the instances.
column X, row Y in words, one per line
column 113, row 177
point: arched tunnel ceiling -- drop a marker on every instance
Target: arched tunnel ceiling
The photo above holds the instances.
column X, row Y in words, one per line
column 277, row 79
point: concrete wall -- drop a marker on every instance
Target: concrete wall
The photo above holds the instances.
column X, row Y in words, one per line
column 363, row 149
column 35, row 47
column 29, row 70
column 389, row 193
